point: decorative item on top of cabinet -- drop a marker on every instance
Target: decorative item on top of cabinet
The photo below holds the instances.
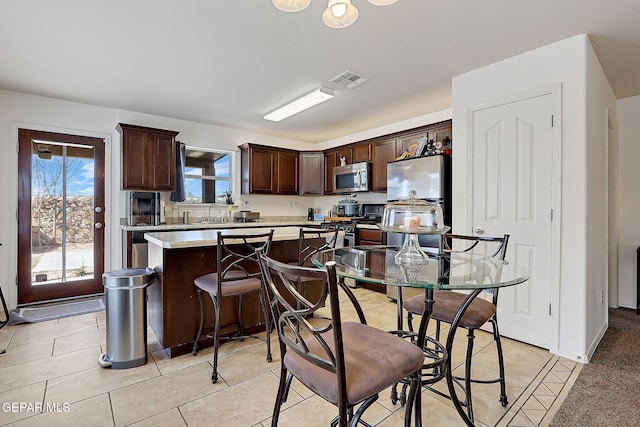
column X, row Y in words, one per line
column 148, row 158
column 268, row 170
column 344, row 155
column 389, row 148
column 406, row 145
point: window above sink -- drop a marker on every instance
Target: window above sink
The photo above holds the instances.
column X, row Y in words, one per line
column 208, row 175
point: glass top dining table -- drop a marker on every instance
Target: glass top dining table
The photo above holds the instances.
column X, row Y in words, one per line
column 447, row 271
column 464, row 271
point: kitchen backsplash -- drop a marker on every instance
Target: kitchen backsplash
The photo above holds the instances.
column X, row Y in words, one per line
column 267, row 205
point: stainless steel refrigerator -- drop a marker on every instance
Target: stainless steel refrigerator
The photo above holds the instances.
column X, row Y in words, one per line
column 430, row 177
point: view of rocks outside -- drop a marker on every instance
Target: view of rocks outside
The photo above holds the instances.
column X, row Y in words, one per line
column 47, row 237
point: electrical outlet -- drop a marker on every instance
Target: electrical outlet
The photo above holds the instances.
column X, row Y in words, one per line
column 601, row 297
column 291, row 204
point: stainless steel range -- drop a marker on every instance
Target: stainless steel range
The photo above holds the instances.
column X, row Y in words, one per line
column 349, row 228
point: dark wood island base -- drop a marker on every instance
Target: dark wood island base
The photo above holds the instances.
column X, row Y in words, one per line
column 173, row 307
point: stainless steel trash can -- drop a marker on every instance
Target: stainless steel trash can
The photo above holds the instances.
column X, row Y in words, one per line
column 126, row 315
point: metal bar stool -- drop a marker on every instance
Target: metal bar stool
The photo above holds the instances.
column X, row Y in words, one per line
column 480, row 310
column 237, row 274
column 6, row 311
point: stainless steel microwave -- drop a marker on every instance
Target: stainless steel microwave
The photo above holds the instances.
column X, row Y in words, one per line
column 351, row 178
column 143, row 208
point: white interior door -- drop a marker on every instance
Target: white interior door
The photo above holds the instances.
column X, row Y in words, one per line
column 512, row 194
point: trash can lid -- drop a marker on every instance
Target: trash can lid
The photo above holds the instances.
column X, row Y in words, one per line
column 128, row 278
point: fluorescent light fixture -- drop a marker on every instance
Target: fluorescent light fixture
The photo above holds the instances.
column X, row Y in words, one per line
column 315, row 97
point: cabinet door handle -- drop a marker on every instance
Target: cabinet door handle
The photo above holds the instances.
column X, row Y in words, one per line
column 98, row 225
column 478, row 230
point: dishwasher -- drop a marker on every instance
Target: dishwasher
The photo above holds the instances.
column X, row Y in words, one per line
column 139, row 250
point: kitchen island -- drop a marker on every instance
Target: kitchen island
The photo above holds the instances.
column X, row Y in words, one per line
column 179, row 257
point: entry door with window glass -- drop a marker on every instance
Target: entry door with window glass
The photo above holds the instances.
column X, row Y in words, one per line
column 60, row 216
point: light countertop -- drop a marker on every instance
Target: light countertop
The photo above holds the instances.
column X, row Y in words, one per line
column 218, row 226
column 200, row 238
column 230, row 225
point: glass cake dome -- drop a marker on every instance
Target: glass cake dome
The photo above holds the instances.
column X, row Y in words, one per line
column 412, row 217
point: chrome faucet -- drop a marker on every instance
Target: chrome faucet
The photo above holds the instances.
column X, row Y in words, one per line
column 209, row 213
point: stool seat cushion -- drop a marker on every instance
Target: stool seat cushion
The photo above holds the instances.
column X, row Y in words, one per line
column 235, row 283
column 447, row 304
column 374, row 360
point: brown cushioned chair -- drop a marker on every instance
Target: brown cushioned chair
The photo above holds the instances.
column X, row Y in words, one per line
column 478, row 313
column 348, row 363
column 237, row 274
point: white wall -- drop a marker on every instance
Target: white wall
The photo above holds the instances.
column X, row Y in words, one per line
column 628, row 197
column 36, row 112
column 601, row 111
column 19, row 110
column 564, row 62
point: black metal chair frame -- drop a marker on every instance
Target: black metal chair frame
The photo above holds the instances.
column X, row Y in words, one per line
column 233, row 254
column 6, row 316
column 4, row 307
column 6, row 311
column 311, row 242
column 465, row 382
column 293, row 327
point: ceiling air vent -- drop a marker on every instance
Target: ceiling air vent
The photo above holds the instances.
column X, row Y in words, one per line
column 349, row 79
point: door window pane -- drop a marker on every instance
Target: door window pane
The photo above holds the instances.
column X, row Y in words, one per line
column 62, row 200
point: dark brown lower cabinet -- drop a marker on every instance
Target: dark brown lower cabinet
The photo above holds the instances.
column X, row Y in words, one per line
column 173, row 307
column 369, row 237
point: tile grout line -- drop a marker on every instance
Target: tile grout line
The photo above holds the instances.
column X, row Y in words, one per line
column 533, row 385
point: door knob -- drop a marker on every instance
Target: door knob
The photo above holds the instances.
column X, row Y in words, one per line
column 98, row 225
column 478, row 230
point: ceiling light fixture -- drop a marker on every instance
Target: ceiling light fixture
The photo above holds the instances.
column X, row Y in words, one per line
column 382, row 2
column 291, row 5
column 338, row 14
column 315, row 97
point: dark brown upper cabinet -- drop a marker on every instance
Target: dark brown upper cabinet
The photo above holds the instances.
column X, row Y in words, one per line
column 271, row 170
column 361, row 153
column 148, row 158
column 312, row 176
column 268, row 170
column 287, row 168
column 330, row 161
column 382, row 152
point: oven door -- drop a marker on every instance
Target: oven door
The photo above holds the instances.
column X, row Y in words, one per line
column 349, row 238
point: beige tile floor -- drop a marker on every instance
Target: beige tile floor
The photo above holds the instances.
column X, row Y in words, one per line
column 51, row 369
